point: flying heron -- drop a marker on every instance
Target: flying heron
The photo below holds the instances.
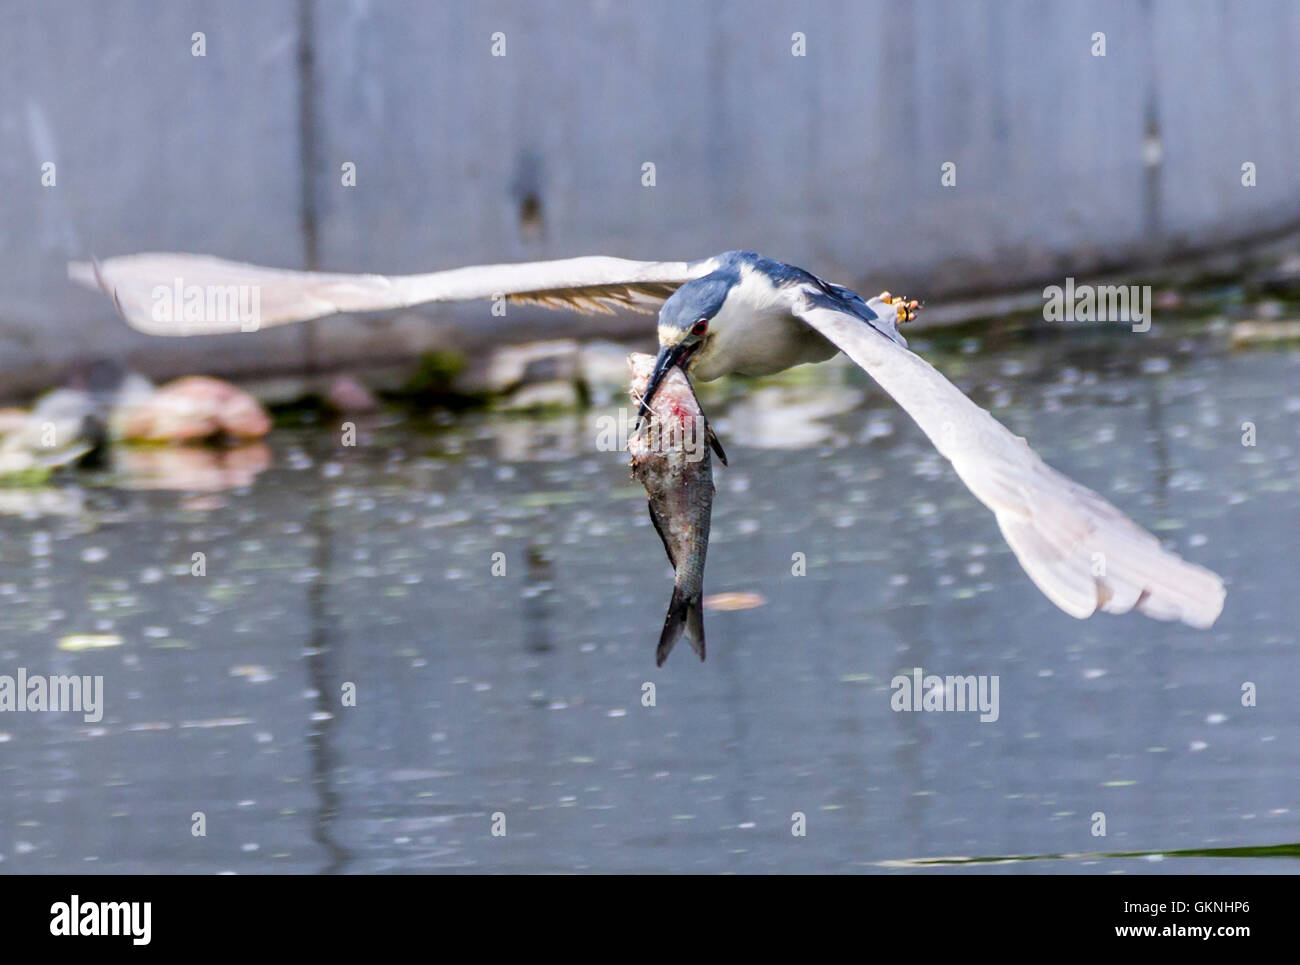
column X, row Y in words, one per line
column 741, row 312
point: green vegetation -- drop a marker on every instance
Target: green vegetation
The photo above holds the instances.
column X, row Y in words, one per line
column 432, row 383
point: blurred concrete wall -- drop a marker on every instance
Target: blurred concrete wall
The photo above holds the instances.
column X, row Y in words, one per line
column 1065, row 161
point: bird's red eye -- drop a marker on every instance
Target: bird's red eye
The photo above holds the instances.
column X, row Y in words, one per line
column 700, row 327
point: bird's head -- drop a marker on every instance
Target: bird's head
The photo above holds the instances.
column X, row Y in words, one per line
column 686, row 323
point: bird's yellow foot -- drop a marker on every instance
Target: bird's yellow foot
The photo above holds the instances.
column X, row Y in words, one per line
column 906, row 307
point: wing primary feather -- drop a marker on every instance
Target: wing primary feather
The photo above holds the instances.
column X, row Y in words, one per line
column 595, row 284
column 1079, row 550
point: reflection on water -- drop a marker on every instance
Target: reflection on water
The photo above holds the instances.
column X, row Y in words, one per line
column 493, row 591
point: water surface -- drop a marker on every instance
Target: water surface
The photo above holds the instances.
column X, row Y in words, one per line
column 521, row 694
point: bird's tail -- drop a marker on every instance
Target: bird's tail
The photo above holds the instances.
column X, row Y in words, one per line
column 685, row 615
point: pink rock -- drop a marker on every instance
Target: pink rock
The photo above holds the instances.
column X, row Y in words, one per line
column 346, row 394
column 193, row 408
column 11, row 420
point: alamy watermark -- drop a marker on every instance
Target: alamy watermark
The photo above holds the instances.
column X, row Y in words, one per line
column 1098, row 303
column 66, row 694
column 688, row 434
column 131, row 919
column 917, row 692
column 194, row 306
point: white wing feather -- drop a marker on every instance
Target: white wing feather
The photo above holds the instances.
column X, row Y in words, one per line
column 1081, row 551
column 138, row 284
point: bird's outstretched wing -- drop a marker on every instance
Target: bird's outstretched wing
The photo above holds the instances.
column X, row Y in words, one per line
column 178, row 294
column 1081, row 551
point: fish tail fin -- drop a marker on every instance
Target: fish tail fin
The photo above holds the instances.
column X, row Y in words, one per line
column 684, row 616
column 695, row 626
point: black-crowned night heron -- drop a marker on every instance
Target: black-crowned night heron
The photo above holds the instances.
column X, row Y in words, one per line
column 741, row 312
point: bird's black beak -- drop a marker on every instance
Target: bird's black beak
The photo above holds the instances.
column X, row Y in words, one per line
column 668, row 357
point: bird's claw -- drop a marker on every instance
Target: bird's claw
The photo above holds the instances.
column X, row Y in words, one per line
column 906, row 307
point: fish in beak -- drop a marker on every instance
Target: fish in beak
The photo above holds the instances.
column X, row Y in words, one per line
column 668, row 359
column 669, row 356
